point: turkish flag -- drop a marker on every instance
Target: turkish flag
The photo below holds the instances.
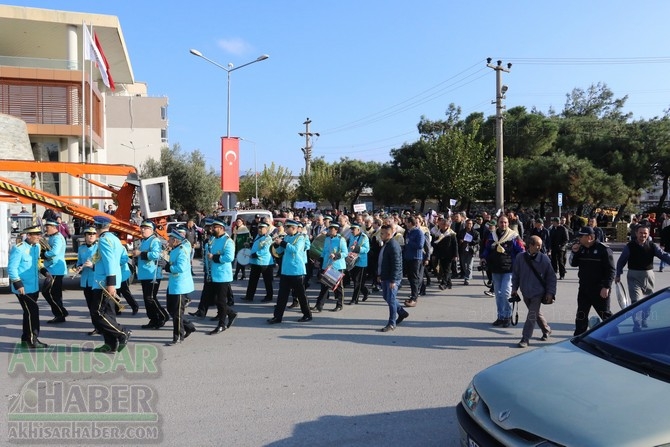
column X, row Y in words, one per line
column 230, row 164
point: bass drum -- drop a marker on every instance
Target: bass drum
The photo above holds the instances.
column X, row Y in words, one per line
column 316, row 248
column 243, row 256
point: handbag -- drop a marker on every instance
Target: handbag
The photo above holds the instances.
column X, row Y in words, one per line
column 546, row 299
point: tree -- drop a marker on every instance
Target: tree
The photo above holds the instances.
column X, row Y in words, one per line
column 597, row 101
column 274, row 186
column 192, row 185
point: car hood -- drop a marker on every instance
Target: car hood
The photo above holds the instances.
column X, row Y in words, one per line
column 571, row 397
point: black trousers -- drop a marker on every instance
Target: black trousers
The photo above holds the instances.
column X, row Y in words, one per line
column 54, row 296
column 31, row 316
column 155, row 311
column 286, row 285
column 220, row 292
column 414, row 276
column 124, row 291
column 257, row 271
column 325, row 291
column 558, row 261
column 176, row 304
column 587, row 298
column 103, row 316
column 358, row 278
column 206, row 298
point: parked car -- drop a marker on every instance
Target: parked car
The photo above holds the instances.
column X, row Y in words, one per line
column 228, row 217
column 607, row 387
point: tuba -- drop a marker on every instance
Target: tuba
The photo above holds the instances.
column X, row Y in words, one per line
column 44, row 244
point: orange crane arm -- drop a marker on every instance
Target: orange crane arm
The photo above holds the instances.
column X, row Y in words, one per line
column 74, row 209
column 73, row 169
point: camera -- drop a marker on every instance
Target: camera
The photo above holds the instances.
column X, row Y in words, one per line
column 515, row 298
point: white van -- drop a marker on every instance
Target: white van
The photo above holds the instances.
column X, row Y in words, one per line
column 228, row 217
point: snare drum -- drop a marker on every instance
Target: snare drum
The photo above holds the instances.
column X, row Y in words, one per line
column 243, row 256
column 331, row 278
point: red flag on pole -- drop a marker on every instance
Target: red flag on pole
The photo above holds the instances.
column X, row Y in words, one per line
column 93, row 51
column 230, row 164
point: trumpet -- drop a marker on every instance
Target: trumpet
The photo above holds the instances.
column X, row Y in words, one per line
column 114, row 298
column 77, row 270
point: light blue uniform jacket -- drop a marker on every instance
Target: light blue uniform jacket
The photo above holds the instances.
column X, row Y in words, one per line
column 293, row 249
column 261, row 247
column 147, row 263
column 108, row 261
column 180, row 281
column 338, row 246
column 362, row 243
column 84, row 254
column 54, row 259
column 23, row 266
column 223, row 249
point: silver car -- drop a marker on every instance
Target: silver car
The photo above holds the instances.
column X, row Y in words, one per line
column 607, row 387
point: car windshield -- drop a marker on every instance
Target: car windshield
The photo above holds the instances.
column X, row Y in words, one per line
column 638, row 337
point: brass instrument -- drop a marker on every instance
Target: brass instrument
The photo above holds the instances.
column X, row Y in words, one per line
column 114, row 298
column 44, row 244
column 77, row 270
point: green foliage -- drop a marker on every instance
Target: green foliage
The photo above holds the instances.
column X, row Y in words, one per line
column 192, row 186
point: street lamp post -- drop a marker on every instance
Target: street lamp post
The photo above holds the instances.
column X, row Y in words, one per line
column 229, row 69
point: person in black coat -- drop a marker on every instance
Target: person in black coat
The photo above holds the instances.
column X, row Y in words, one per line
column 390, row 275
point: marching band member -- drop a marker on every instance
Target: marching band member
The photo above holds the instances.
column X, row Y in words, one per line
column 334, row 252
column 206, row 293
column 262, row 264
column 221, row 258
column 150, row 275
column 292, row 247
column 85, row 266
column 124, row 290
column 107, row 274
column 54, row 269
column 359, row 244
column 23, row 272
column 180, row 283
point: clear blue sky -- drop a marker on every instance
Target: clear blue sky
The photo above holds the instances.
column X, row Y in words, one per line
column 365, row 72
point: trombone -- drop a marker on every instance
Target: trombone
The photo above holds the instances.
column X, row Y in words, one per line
column 114, row 298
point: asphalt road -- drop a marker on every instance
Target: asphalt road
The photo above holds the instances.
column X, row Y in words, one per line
column 335, row 381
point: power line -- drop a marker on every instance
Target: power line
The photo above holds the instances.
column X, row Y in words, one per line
column 414, row 101
column 590, row 60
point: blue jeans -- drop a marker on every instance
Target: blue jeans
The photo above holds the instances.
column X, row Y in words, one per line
column 502, row 284
column 390, row 296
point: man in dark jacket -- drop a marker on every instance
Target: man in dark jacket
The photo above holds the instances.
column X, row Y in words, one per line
column 596, row 273
column 558, row 239
column 390, row 274
column 413, row 257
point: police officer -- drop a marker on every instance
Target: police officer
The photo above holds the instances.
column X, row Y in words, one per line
column 54, row 269
column 23, row 272
column 150, row 275
column 180, row 283
column 334, row 254
column 596, row 273
column 262, row 264
column 222, row 253
column 291, row 248
column 107, row 274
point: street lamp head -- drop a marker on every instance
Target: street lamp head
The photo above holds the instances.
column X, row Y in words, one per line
column 262, row 57
column 195, row 52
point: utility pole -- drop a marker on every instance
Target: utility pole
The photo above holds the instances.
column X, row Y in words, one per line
column 307, row 150
column 500, row 95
